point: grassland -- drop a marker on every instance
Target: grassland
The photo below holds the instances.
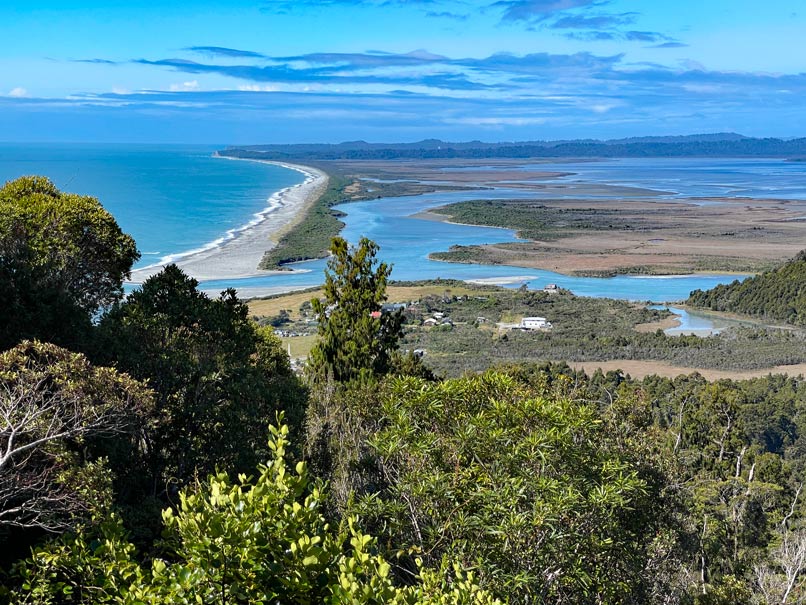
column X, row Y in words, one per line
column 270, row 306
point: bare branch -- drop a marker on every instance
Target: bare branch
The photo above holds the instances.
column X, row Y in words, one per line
column 51, row 400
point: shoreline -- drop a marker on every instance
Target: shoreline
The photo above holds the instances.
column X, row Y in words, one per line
column 237, row 254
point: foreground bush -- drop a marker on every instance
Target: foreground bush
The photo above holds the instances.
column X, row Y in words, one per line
column 551, row 500
column 236, row 542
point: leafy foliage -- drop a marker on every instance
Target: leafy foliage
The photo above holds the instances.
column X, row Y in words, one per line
column 528, row 489
column 219, row 380
column 779, row 294
column 62, row 258
column 237, row 542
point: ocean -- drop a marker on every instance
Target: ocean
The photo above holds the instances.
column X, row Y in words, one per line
column 172, row 200
column 176, row 199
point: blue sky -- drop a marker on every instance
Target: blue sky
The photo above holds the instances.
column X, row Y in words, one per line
column 398, row 70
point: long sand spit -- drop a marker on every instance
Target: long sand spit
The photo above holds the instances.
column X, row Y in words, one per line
column 240, row 252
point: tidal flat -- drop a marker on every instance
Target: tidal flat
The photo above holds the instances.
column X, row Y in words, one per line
column 600, row 219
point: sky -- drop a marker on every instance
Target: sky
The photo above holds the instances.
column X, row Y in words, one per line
column 299, row 71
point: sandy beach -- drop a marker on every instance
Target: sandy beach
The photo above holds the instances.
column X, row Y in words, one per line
column 239, row 256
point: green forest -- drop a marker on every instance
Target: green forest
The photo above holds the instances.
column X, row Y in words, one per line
column 775, row 295
column 159, row 448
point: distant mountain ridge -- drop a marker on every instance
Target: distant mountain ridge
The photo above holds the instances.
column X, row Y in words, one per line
column 724, row 144
column 779, row 294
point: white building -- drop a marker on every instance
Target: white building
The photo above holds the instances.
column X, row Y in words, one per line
column 534, row 323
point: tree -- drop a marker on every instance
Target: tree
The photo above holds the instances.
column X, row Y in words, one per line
column 62, row 258
column 355, row 338
column 52, row 403
column 219, row 379
column 534, row 490
column 238, row 542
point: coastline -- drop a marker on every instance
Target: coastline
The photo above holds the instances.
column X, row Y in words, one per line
column 238, row 253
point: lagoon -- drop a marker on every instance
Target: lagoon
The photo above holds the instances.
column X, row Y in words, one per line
column 406, row 242
column 174, row 199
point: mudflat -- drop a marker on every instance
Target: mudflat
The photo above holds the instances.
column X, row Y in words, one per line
column 653, row 236
column 599, row 229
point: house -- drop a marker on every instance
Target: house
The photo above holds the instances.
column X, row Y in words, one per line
column 534, row 323
column 392, row 307
column 551, row 289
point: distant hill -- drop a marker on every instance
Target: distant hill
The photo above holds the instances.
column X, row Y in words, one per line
column 779, row 294
column 699, row 145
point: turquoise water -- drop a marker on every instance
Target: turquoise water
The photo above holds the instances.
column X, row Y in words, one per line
column 698, row 324
column 170, row 199
column 179, row 198
column 405, row 242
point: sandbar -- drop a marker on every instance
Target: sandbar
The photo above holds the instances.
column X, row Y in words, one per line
column 239, row 256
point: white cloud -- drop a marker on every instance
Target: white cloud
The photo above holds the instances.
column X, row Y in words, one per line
column 191, row 85
column 120, row 91
column 258, row 88
column 18, row 92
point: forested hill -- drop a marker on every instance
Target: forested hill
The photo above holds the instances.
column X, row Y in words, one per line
column 702, row 145
column 778, row 295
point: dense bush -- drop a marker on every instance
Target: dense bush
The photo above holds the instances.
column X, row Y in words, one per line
column 777, row 295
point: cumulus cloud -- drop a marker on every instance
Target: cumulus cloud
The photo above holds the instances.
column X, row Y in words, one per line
column 18, row 92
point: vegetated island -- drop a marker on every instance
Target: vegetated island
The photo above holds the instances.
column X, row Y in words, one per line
column 607, row 237
column 630, row 232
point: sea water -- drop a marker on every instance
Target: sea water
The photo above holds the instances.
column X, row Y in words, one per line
column 174, row 199
column 170, row 199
